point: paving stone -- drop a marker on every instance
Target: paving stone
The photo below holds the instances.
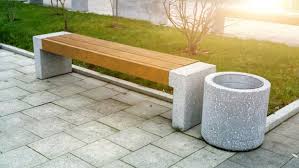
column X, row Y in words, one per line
column 107, row 107
column 45, row 111
column 133, row 138
column 101, row 152
column 281, row 144
column 117, row 164
column 9, row 74
column 10, row 58
column 180, row 144
column 16, row 120
column 229, row 164
column 130, row 97
column 67, row 90
column 147, row 109
column 40, row 98
column 294, row 163
column 21, row 158
column 56, row 145
column 15, row 138
column 260, row 158
column 90, row 83
column 12, row 93
column 77, row 75
column 8, row 83
column 121, row 120
column 8, row 66
column 91, row 131
column 160, row 102
column 208, row 157
column 37, row 86
column 66, row 161
column 64, row 80
column 288, row 129
column 294, row 119
column 151, row 156
column 194, row 132
column 74, row 102
column 12, row 106
column 48, row 127
column 167, row 115
column 4, row 53
column 117, row 88
column 28, row 78
column 25, row 62
column 74, row 118
column 89, row 113
column 100, row 93
column 158, row 126
column 27, row 69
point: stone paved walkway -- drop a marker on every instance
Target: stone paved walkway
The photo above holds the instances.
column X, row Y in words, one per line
column 72, row 121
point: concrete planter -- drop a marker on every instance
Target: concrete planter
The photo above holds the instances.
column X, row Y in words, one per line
column 235, row 110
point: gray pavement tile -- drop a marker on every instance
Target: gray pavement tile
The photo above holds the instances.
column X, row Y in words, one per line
column 101, row 152
column 74, row 102
column 147, row 109
column 167, row 115
column 260, row 158
column 25, row 62
column 151, row 156
column 107, row 107
column 48, row 127
column 294, row 119
column 194, row 132
column 9, row 74
column 12, row 106
column 90, row 83
column 56, row 145
column 208, row 157
column 8, row 83
column 288, row 129
column 158, row 126
column 294, row 163
column 8, row 66
column 37, row 86
column 100, row 93
column 67, row 90
column 117, row 88
column 10, row 58
column 121, row 120
column 117, row 164
column 74, row 118
column 64, row 79
column 281, row 144
column 130, row 97
column 15, row 138
column 66, row 161
column 12, row 93
column 229, row 164
column 91, row 131
column 40, row 98
column 89, row 113
column 180, row 144
column 27, row 69
column 160, row 102
column 23, row 157
column 16, row 120
column 133, row 138
column 45, row 111
column 4, row 53
column 28, row 78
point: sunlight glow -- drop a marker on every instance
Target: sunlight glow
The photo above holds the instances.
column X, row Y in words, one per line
column 264, row 5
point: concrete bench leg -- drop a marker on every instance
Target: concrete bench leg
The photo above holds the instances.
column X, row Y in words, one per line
column 46, row 64
column 188, row 84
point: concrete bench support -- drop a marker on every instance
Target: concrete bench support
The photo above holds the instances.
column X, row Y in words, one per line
column 48, row 65
column 188, row 84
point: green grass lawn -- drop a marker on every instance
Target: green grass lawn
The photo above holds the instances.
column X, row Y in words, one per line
column 276, row 62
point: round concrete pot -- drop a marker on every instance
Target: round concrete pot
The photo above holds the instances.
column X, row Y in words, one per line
column 235, row 109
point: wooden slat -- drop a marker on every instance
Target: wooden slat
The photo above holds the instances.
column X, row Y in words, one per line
column 134, row 50
column 145, row 71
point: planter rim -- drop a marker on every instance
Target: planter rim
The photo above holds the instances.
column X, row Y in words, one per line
column 210, row 80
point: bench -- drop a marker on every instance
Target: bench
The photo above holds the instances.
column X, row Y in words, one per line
column 54, row 53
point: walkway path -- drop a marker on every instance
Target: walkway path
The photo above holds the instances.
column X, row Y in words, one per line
column 72, row 121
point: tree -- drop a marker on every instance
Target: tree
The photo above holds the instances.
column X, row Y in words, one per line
column 9, row 9
column 64, row 13
column 193, row 18
column 114, row 8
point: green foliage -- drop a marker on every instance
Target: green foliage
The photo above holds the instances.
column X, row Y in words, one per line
column 9, row 9
column 276, row 62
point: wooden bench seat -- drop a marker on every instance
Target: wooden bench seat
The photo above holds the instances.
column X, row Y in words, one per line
column 54, row 53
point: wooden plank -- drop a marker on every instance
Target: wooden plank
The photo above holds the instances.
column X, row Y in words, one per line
column 145, row 71
column 134, row 50
column 117, row 53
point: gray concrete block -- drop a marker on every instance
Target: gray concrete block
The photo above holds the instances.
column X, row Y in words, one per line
column 130, row 97
column 27, row 69
column 288, row 129
column 147, row 109
column 89, row 83
column 67, row 90
column 12, row 106
column 80, row 5
column 229, row 164
column 37, row 86
column 45, row 111
column 100, row 93
column 294, row 163
column 89, row 113
column 194, row 132
column 74, row 102
column 64, row 80
column 107, row 107
column 9, row 74
column 40, row 98
column 74, row 118
column 117, row 164
column 47, row 64
column 188, row 84
column 12, row 93
column 158, row 126
column 13, row 121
